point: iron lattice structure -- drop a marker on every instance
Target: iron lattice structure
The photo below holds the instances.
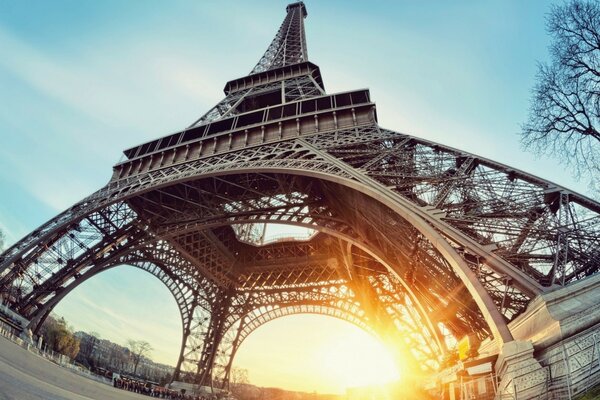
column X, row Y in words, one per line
column 416, row 242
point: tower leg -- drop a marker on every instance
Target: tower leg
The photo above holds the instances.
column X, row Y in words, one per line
column 177, row 374
column 202, row 335
column 212, row 339
column 227, row 351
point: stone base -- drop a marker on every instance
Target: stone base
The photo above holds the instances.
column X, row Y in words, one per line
column 573, row 364
column 555, row 354
column 521, row 375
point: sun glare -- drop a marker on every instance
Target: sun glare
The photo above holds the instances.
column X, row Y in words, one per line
column 315, row 353
column 357, row 359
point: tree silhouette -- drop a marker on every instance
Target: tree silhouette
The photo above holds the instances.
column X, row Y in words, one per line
column 139, row 349
column 564, row 118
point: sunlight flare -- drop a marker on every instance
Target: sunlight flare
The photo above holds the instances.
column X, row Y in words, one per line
column 355, row 359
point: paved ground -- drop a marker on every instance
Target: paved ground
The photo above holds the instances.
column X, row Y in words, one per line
column 26, row 376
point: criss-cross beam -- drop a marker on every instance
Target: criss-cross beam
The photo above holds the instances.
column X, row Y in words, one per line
column 273, row 268
column 364, row 294
column 404, row 327
column 291, row 277
column 387, row 300
column 464, row 243
column 258, row 308
column 289, row 45
column 514, row 216
column 89, row 241
column 212, row 337
column 273, row 198
column 293, row 83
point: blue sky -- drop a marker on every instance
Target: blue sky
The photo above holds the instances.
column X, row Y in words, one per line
column 82, row 80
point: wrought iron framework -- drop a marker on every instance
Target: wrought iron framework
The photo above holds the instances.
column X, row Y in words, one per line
column 416, row 242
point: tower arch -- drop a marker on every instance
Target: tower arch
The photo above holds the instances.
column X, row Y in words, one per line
column 463, row 241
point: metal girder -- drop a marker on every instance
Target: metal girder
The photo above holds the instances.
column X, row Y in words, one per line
column 216, row 329
column 87, row 241
column 295, row 187
column 289, row 44
column 501, row 208
column 376, row 300
column 234, row 103
column 417, row 242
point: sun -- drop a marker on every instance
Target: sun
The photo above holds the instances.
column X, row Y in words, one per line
column 355, row 358
column 319, row 353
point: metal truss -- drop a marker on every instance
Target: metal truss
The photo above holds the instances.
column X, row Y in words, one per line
column 295, row 207
column 415, row 242
column 56, row 262
column 515, row 215
column 292, row 89
column 289, row 44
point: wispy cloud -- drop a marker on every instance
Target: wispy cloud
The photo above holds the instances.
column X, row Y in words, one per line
column 111, row 102
column 101, row 91
column 127, row 303
column 12, row 228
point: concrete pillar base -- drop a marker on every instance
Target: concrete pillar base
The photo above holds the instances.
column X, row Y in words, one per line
column 521, row 377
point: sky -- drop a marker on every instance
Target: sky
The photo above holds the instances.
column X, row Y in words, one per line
column 80, row 81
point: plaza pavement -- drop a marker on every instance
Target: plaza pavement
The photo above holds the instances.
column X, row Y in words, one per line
column 27, row 376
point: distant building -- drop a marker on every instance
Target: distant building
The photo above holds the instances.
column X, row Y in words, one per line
column 114, row 357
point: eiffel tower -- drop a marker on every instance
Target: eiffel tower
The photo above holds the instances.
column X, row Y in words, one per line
column 416, row 242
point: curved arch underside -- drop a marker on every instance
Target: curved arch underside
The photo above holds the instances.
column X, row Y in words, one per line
column 419, row 242
column 185, row 228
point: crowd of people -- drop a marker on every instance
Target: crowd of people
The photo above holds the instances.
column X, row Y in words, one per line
column 151, row 390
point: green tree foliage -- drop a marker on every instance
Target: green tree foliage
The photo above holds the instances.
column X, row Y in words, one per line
column 59, row 337
column 564, row 118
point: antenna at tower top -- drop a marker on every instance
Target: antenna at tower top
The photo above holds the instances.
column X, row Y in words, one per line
column 289, row 45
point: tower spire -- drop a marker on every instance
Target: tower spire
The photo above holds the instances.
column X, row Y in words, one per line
column 289, row 45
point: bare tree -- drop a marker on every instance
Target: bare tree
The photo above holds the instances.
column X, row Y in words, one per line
column 239, row 382
column 88, row 343
column 564, row 119
column 139, row 349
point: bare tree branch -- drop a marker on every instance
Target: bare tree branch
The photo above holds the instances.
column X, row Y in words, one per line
column 564, row 117
column 139, row 349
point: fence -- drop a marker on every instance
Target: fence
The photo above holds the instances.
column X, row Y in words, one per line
column 480, row 388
